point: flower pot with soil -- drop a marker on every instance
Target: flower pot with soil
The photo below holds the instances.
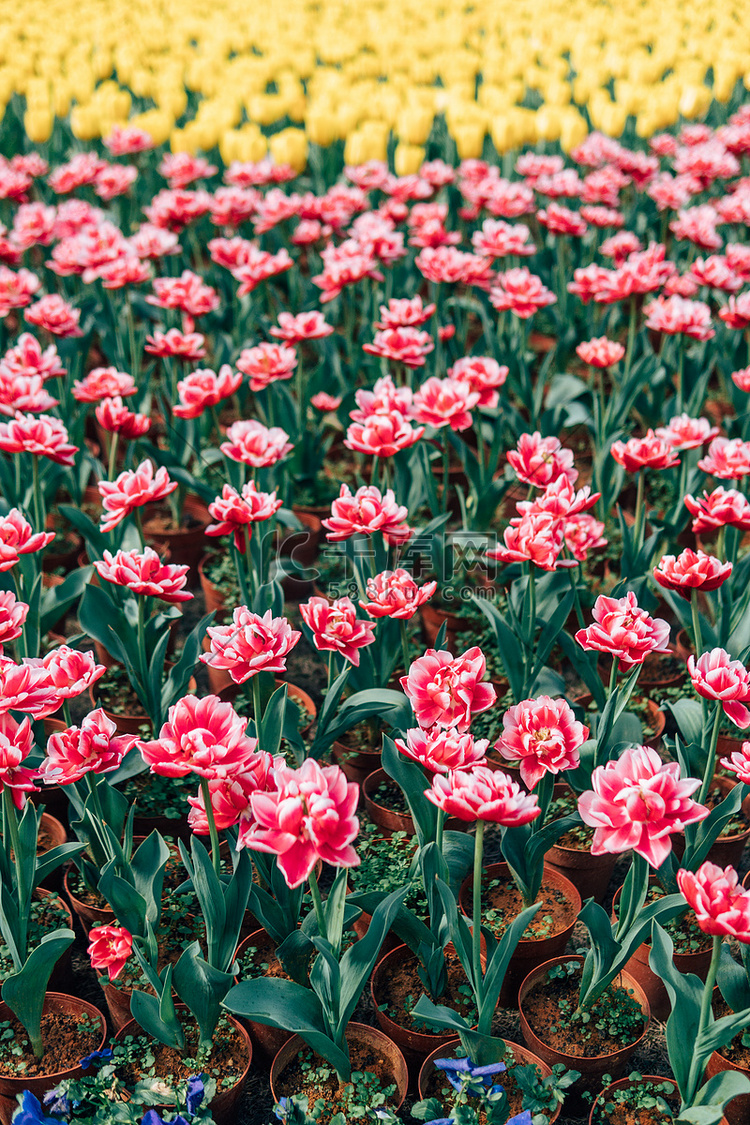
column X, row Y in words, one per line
column 185, row 543
column 89, row 906
column 692, row 954
column 432, row 1082
column 727, row 849
column 546, row 936
column 49, row 912
column 548, row 1001
column 648, row 1100
column 396, row 986
column 256, row 956
column 71, row 1029
column 229, row 1061
column 297, row 1070
column 571, row 854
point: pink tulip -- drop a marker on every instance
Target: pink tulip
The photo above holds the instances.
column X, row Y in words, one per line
column 445, row 402
column 54, row 314
column 637, row 802
column 103, row 382
column 583, row 534
column 720, row 905
column 45, row 436
column 325, row 402
column 483, row 376
column 600, row 352
column 18, row 538
column 252, row 443
column 440, row 750
column 90, row 748
column 110, row 947
column 559, row 499
column 715, row 675
column 543, row 735
column 684, row 432
column 144, row 573
column 132, row 489
column 309, row 816
column 540, row 461
column 724, row 507
column 12, row 616
column 16, row 743
column 204, row 388
column 113, row 416
column 535, row 538
column 366, row 512
column 727, row 458
column 739, row 763
column 649, row 452
column 447, row 691
column 394, row 593
column 483, row 794
column 203, row 736
column 230, row 796
column 624, row 631
column 303, row 326
column 27, row 687
column 70, row 671
column 234, row 511
column 266, row 363
column 336, row 628
column 382, row 435
column 251, row 644
column 691, row 570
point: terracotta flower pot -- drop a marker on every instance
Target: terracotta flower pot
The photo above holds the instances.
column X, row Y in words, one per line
column 529, row 952
column 224, row 1104
column 393, row 1063
column 590, row 874
column 432, row 620
column 736, row 1112
column 389, row 821
column 521, row 1057
column 639, row 968
column 131, row 724
column 214, row 598
column 593, row 1067
column 623, row 1084
column 415, row 1045
column 269, row 1040
column 297, row 694
column 727, row 850
column 657, row 717
column 185, row 545
column 89, row 916
column 356, row 764
column 39, row 1086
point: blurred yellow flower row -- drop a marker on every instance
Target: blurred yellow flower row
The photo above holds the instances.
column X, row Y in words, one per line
column 229, row 72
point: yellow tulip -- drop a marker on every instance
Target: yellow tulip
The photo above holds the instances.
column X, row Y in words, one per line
column 408, row 159
column 38, row 125
column 469, row 138
column 289, row 147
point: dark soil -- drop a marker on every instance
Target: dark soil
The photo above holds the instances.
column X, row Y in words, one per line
column 67, row 1039
column 336, row 1098
column 400, row 990
column 502, row 902
column 549, row 1004
column 148, row 1058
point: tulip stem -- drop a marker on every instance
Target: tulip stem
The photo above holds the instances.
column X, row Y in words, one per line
column 257, row 709
column 639, row 511
column 139, row 527
column 697, row 632
column 38, row 515
column 11, row 824
column 113, row 438
column 318, row 904
column 405, row 646
column 710, row 767
column 631, row 336
column 439, row 829
column 213, row 832
column 476, row 934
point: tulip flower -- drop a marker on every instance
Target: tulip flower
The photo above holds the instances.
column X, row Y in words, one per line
column 447, row 691
column 543, row 735
column 721, row 906
column 110, row 947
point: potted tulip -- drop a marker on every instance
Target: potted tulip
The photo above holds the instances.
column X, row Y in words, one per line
column 319, row 1015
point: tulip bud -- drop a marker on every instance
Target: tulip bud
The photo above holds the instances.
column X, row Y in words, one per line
column 408, row 159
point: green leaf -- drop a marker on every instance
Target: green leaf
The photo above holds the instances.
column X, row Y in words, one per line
column 292, row 1008
column 272, row 723
column 24, row 991
column 411, row 780
column 202, row 988
column 157, row 1014
column 685, row 993
column 359, row 960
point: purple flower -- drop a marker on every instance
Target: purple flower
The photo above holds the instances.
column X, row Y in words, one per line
column 455, row 1068
column 195, row 1094
column 98, row 1057
column 30, row 1112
